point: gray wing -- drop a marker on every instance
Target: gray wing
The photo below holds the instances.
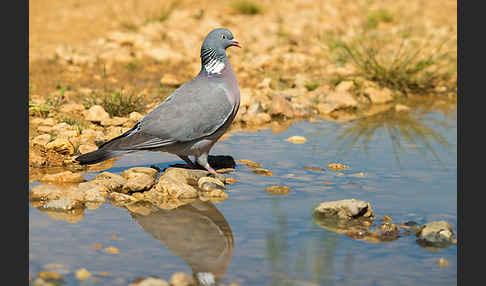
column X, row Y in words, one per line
column 191, row 112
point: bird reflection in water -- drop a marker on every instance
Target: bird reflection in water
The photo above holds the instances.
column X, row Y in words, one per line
column 196, row 232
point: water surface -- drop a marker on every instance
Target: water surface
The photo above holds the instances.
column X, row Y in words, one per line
column 409, row 161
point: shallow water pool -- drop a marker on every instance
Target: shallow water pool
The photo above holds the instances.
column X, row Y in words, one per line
column 403, row 163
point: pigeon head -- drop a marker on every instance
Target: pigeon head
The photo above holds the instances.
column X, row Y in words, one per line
column 213, row 50
column 220, row 39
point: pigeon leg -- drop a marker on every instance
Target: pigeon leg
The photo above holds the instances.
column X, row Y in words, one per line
column 203, row 161
column 188, row 161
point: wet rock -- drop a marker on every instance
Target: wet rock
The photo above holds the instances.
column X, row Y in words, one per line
column 113, row 182
column 66, row 203
column 82, row 274
column 181, row 279
column 45, row 192
column 96, row 113
column 42, row 140
column 263, row 172
column 139, row 179
column 63, row 177
column 281, row 106
column 436, row 235
column 209, row 184
column 345, row 209
column 378, row 95
column 337, row 166
column 93, row 192
column 120, row 199
column 150, row 281
column 278, row 190
column 297, row 139
column 61, row 146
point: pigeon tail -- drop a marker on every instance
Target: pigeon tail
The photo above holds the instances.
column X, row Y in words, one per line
column 96, row 157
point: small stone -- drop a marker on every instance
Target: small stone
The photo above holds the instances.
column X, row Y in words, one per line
column 442, row 262
column 181, row 279
column 111, row 181
column 278, row 190
column 42, row 140
column 96, row 113
column 82, row 274
column 135, row 116
column 230, row 181
column 378, row 95
column 297, row 139
column 436, row 234
column 249, row 163
column 152, row 281
column 346, row 85
column 72, row 108
column 263, row 172
column 281, row 106
column 341, row 99
column 61, row 146
column 326, row 108
column 112, row 250
column 314, row 168
column 97, row 246
column 345, row 209
column 337, row 166
column 48, row 275
column 208, row 184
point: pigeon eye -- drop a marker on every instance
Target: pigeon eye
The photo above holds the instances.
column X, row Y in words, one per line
column 223, row 37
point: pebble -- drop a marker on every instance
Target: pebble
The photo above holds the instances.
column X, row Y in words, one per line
column 442, row 262
column 278, row 190
column 263, row 172
column 112, row 250
column 297, row 139
column 249, row 163
column 337, row 166
column 97, row 245
column 82, row 274
column 181, row 279
column 230, row 181
column 46, row 275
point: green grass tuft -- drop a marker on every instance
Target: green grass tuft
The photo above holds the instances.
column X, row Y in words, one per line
column 118, row 103
column 408, row 69
column 247, row 7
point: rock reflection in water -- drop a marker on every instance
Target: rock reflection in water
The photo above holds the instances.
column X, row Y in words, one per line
column 196, row 232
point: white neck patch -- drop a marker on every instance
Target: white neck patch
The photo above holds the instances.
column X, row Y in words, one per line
column 214, row 66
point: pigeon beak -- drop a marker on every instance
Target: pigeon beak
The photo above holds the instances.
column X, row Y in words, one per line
column 235, row 43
